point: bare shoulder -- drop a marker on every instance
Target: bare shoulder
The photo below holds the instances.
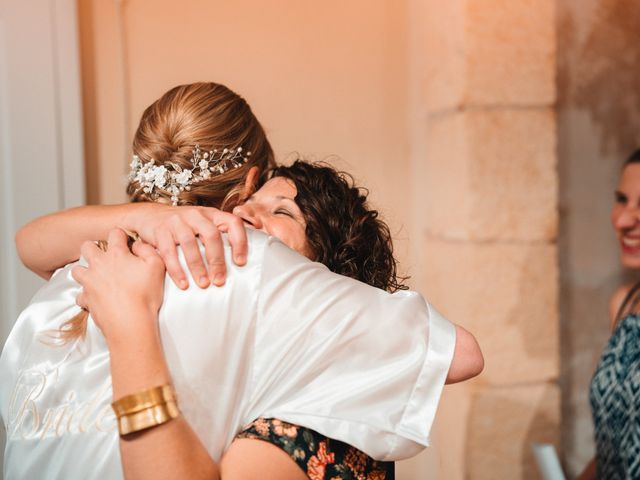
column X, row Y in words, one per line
column 615, row 301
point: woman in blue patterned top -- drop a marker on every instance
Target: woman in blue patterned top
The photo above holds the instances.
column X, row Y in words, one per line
column 615, row 387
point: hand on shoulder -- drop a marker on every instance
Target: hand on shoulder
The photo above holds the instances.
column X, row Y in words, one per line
column 165, row 227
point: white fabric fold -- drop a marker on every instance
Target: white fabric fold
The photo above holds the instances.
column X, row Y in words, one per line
column 285, row 337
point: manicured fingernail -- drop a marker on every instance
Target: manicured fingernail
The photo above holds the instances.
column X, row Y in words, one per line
column 183, row 284
column 218, row 280
column 241, row 259
column 204, row 282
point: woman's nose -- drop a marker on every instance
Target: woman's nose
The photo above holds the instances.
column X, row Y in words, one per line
column 628, row 217
column 249, row 215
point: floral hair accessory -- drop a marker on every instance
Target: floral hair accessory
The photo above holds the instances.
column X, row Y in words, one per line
column 172, row 178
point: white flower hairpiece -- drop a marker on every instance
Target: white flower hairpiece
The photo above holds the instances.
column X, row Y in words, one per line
column 176, row 179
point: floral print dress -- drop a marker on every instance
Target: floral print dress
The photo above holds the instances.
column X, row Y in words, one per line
column 320, row 457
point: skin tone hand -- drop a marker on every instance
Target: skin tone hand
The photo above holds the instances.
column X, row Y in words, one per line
column 168, row 227
column 119, row 283
column 180, row 226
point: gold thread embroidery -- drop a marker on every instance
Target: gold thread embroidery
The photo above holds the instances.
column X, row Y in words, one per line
column 29, row 419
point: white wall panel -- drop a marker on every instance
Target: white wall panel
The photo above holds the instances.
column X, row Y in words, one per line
column 41, row 160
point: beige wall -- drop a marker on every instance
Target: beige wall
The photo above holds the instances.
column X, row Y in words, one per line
column 324, row 80
column 489, row 229
column 442, row 109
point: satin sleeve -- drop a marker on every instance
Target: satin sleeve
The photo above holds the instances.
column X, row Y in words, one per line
column 348, row 360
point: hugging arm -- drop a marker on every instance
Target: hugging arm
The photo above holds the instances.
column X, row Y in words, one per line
column 124, row 294
column 467, row 360
column 52, row 241
column 173, row 450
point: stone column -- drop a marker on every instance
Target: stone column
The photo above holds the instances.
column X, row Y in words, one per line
column 486, row 193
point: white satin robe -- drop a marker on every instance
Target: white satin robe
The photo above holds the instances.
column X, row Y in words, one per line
column 284, row 338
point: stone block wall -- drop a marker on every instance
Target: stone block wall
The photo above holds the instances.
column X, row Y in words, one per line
column 488, row 191
column 504, row 187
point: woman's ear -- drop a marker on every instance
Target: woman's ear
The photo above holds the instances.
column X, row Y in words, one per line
column 250, row 182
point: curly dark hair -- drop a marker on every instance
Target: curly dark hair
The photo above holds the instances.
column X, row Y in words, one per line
column 342, row 231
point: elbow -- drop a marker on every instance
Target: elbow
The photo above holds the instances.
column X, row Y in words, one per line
column 477, row 362
column 468, row 361
column 24, row 244
column 21, row 239
column 474, row 356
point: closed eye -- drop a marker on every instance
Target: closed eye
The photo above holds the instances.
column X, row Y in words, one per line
column 282, row 211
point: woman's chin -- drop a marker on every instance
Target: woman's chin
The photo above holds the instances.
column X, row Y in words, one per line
column 630, row 260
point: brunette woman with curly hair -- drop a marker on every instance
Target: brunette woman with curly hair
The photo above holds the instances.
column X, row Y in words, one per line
column 342, row 231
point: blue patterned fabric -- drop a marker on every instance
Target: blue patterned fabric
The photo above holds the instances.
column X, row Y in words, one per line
column 615, row 403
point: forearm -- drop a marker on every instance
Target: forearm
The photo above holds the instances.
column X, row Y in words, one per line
column 171, row 450
column 51, row 241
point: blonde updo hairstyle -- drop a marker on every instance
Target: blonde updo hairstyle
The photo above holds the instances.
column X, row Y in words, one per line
column 206, row 114
column 209, row 115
